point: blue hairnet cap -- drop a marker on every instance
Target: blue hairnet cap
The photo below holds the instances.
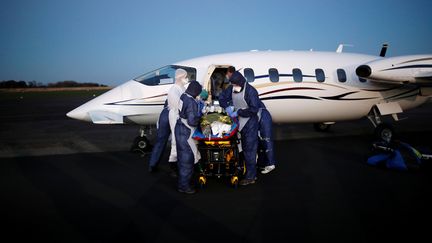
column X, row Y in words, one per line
column 238, row 79
column 194, row 89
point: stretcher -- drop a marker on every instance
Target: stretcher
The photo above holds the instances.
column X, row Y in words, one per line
column 220, row 156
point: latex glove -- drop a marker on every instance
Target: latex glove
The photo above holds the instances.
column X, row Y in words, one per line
column 229, row 110
column 206, row 109
column 233, row 114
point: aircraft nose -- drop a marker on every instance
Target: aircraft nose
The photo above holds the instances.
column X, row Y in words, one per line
column 79, row 114
column 103, row 106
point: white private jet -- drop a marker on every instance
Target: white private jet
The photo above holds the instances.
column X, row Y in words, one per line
column 296, row 86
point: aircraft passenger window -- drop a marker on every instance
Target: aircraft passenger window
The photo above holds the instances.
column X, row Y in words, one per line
column 320, row 76
column 341, row 75
column 274, row 75
column 164, row 75
column 297, row 75
column 249, row 74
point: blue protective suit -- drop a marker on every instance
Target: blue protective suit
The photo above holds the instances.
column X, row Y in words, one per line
column 249, row 130
column 265, row 145
column 187, row 150
column 163, row 133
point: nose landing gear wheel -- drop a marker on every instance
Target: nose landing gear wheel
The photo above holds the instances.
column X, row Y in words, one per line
column 141, row 144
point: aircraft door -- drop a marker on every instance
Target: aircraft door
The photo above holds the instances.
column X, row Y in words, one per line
column 215, row 81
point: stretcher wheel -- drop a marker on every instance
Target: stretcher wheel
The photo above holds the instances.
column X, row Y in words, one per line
column 234, row 181
column 202, row 181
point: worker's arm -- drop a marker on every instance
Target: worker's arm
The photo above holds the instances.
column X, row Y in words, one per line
column 225, row 98
column 193, row 116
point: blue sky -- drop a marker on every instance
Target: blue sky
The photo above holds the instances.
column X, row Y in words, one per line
column 110, row 42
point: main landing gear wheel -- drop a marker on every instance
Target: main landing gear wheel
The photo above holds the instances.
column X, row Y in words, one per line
column 384, row 132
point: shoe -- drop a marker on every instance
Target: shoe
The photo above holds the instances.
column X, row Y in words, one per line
column 187, row 191
column 246, row 182
column 268, row 168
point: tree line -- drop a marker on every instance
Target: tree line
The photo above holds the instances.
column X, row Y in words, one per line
column 33, row 84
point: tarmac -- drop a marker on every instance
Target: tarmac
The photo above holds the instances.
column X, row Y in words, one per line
column 64, row 180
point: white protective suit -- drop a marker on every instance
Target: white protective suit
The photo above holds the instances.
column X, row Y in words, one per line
column 174, row 94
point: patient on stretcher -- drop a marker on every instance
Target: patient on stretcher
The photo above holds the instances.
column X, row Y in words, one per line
column 215, row 126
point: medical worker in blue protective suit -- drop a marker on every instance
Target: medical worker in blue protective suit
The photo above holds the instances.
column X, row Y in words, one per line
column 187, row 150
column 163, row 133
column 241, row 99
column 265, row 146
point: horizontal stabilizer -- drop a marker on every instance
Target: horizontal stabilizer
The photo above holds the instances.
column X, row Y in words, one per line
column 105, row 117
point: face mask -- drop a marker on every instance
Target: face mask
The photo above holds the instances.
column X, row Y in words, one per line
column 185, row 81
column 186, row 85
column 237, row 88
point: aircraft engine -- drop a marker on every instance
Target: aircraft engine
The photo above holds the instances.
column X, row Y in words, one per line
column 407, row 69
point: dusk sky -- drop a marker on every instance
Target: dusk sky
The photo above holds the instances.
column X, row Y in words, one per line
column 110, row 42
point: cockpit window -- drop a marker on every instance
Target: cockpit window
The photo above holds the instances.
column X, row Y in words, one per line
column 164, row 75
